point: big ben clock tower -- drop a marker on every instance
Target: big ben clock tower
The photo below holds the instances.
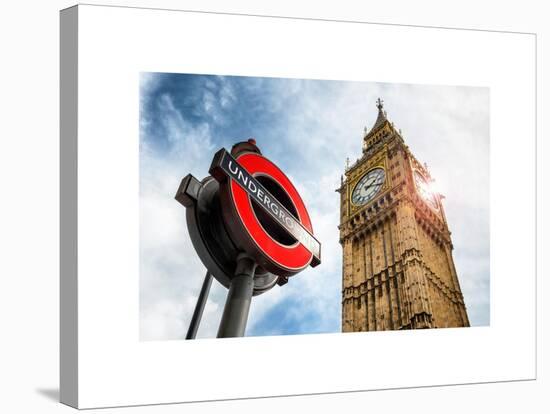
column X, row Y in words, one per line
column 398, row 269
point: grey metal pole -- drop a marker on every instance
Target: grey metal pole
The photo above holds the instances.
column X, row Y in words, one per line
column 239, row 297
column 199, row 307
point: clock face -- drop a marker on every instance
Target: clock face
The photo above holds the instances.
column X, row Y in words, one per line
column 368, row 186
column 424, row 189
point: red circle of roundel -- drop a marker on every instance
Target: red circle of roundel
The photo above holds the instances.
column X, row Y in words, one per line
column 295, row 257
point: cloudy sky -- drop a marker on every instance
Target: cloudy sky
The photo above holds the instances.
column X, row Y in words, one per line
column 308, row 128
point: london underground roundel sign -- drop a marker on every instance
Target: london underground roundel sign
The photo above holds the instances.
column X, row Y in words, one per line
column 264, row 213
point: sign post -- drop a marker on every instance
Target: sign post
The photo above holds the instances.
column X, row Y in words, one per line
column 250, row 228
column 239, row 298
column 199, row 307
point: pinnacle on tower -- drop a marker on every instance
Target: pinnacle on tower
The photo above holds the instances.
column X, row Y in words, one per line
column 381, row 114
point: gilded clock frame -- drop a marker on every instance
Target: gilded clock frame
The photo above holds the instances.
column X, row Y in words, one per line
column 379, row 162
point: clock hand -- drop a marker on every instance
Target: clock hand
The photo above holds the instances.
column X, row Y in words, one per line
column 366, row 188
column 371, row 185
column 369, row 182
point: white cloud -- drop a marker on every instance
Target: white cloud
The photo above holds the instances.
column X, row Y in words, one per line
column 170, row 272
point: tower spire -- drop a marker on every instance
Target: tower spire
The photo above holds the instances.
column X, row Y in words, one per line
column 381, row 114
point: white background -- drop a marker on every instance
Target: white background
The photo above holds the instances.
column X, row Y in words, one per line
column 29, row 215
